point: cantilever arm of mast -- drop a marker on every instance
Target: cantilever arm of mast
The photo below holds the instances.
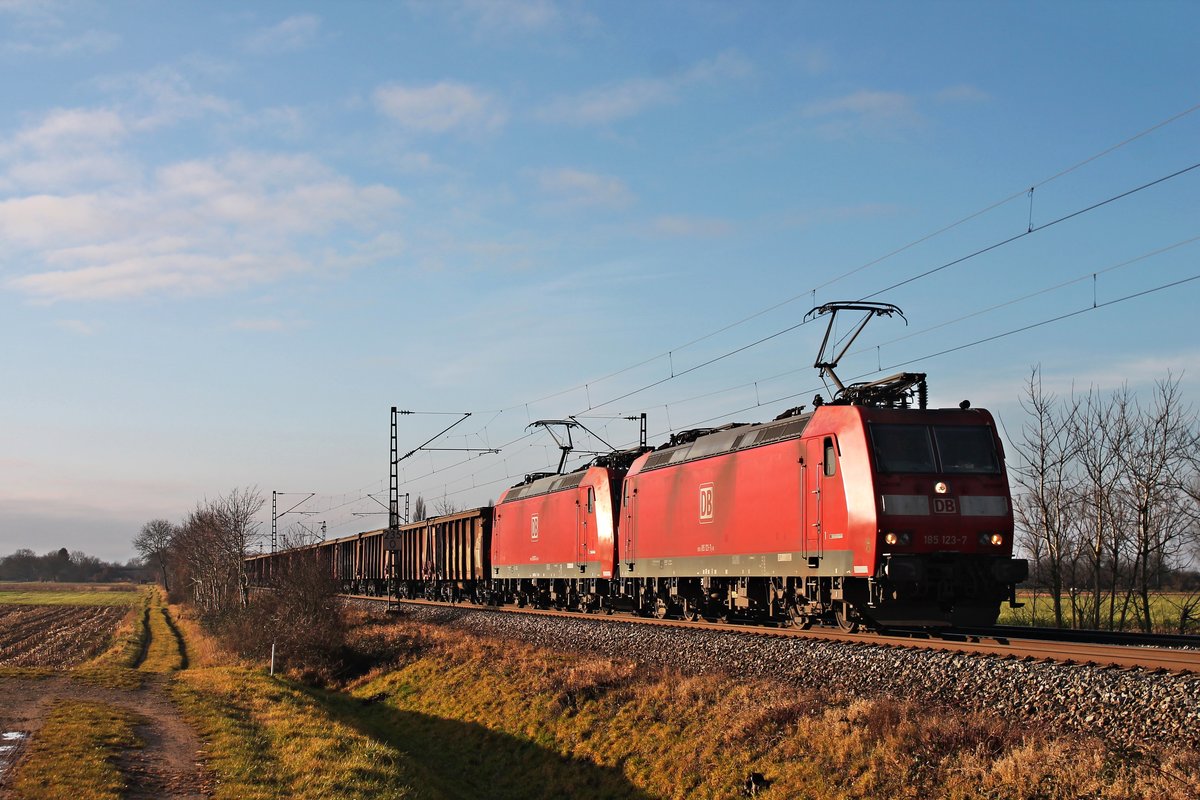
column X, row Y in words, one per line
column 441, row 433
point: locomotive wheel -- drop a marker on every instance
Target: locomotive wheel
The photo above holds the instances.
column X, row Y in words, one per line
column 796, row 618
column 691, row 609
column 846, row 617
column 661, row 609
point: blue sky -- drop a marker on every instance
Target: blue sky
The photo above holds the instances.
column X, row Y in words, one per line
column 233, row 235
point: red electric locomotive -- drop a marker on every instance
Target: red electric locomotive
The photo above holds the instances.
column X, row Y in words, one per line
column 851, row 513
column 554, row 536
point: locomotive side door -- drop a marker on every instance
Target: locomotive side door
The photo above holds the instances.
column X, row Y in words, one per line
column 585, row 505
column 628, row 503
column 813, row 472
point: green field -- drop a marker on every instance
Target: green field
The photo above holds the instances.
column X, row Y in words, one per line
column 1166, row 610
column 69, row 594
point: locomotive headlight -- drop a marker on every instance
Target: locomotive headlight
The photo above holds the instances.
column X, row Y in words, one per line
column 940, row 487
column 891, row 538
column 997, row 539
column 905, row 538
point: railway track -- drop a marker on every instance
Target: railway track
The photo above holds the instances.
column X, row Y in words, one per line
column 1004, row 643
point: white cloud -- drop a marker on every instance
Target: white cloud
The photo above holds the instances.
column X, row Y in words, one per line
column 863, row 103
column 70, row 127
column 439, row 108
column 59, row 173
column 196, row 227
column 88, row 43
column 76, row 326
column 864, row 110
column 164, row 97
column 264, row 325
column 576, row 188
column 814, row 60
column 292, row 34
column 509, row 16
column 611, row 103
column 690, row 227
column 283, row 122
column 175, row 273
column 619, row 101
column 45, row 220
column 489, row 21
column 962, row 93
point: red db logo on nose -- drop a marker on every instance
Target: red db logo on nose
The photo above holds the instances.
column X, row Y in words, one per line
column 706, row 502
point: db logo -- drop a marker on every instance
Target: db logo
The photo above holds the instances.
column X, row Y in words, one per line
column 945, row 505
column 706, row 502
column 533, row 528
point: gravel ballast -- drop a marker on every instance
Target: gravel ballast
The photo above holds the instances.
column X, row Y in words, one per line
column 1128, row 708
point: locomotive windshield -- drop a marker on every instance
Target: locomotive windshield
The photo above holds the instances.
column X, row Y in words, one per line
column 966, row 448
column 940, row 448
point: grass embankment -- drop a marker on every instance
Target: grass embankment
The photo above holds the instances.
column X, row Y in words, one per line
column 448, row 714
column 269, row 738
column 502, row 720
column 75, row 754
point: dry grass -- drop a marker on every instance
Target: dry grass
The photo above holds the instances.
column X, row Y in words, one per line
column 447, row 714
column 75, row 754
column 202, row 650
column 274, row 738
column 166, row 651
column 535, row 719
column 268, row 738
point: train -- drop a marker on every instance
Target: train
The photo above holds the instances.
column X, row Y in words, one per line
column 868, row 510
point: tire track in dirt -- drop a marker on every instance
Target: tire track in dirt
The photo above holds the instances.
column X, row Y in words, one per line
column 168, row 765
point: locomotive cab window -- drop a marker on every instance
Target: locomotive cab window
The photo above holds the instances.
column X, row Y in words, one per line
column 902, row 448
column 966, row 448
column 943, row 448
column 830, row 459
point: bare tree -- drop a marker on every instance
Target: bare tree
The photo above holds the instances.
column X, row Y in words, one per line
column 153, row 544
column 235, row 513
column 1155, row 468
column 419, row 509
column 1044, row 510
column 1098, row 436
column 444, row 505
column 211, row 547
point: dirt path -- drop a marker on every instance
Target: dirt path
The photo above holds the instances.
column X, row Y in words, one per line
column 168, row 766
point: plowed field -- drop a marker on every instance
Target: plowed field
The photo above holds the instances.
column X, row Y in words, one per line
column 54, row 636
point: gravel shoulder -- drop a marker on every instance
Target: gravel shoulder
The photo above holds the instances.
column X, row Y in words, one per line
column 1125, row 708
